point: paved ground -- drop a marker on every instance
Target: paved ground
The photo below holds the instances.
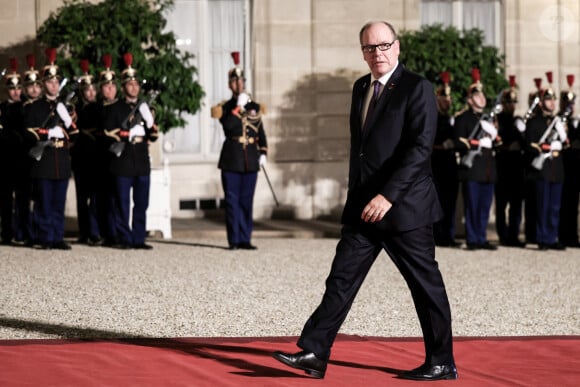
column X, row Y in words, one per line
column 192, row 286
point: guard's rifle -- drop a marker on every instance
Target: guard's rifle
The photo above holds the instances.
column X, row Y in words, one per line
column 549, row 135
column 530, row 111
column 119, row 146
column 37, row 151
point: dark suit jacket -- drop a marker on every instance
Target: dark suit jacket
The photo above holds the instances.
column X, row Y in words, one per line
column 392, row 157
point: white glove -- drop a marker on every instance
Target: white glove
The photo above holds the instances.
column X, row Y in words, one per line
column 243, row 99
column 555, row 146
column 485, row 142
column 55, row 132
column 560, row 129
column 262, row 160
column 488, row 128
column 451, row 121
column 136, row 131
column 146, row 114
column 519, row 124
column 63, row 114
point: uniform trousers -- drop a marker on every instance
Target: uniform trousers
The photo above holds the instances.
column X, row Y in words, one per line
column 413, row 253
column 548, row 198
column 86, row 195
column 477, row 199
column 132, row 232
column 15, row 198
column 49, row 204
column 239, row 198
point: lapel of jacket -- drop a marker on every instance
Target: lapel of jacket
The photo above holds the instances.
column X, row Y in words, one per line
column 385, row 96
column 360, row 100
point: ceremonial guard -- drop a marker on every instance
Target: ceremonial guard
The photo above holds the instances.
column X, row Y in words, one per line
column 14, row 173
column 530, row 183
column 243, row 152
column 545, row 135
column 105, row 194
column 84, row 156
column 568, row 233
column 509, row 188
column 130, row 125
column 50, row 128
column 475, row 137
column 444, row 164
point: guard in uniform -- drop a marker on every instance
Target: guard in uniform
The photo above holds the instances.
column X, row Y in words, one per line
column 545, row 135
column 105, row 194
column 50, row 128
column 130, row 125
column 15, row 183
column 243, row 152
column 84, row 153
column 530, row 183
column 568, row 233
column 475, row 137
column 444, row 164
column 509, row 189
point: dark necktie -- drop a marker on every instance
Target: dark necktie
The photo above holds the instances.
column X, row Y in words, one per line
column 372, row 103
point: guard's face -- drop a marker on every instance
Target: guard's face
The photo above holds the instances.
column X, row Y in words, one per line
column 33, row 91
column 131, row 89
column 109, row 91
column 477, row 101
column 237, row 85
column 14, row 94
column 549, row 105
column 379, row 62
column 51, row 86
column 90, row 94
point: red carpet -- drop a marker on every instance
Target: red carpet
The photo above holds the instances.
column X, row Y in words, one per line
column 356, row 361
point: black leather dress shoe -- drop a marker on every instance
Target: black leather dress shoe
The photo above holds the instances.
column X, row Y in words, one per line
column 247, row 246
column 306, row 361
column 143, row 246
column 233, row 247
column 62, row 245
column 488, row 246
column 427, row 372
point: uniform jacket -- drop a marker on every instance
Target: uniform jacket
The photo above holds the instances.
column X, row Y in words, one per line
column 84, row 152
column 392, row 157
column 39, row 115
column 245, row 140
column 443, row 160
column 134, row 160
column 483, row 169
column 509, row 155
column 553, row 168
column 14, row 160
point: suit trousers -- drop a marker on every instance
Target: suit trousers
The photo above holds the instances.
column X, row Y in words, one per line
column 548, row 199
column 413, row 253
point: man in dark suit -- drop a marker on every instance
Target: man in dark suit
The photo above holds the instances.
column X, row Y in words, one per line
column 392, row 205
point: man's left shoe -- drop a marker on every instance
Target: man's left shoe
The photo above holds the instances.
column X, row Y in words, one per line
column 306, row 361
column 427, row 372
column 247, row 246
column 488, row 246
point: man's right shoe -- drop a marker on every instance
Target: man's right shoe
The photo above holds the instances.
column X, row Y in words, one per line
column 306, row 361
column 427, row 372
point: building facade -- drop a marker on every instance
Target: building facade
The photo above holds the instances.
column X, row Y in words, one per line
column 301, row 58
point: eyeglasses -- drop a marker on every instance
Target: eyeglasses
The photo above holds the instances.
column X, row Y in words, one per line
column 370, row 48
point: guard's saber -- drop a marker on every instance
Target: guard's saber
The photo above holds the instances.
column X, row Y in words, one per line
column 270, row 185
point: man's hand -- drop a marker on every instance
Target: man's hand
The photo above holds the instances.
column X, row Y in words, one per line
column 262, row 160
column 376, row 209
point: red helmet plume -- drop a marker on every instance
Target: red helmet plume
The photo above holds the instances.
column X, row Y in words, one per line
column 475, row 76
column 84, row 64
column 236, row 57
column 31, row 60
column 512, row 80
column 570, row 80
column 14, row 64
column 538, row 82
column 445, row 77
column 50, row 54
column 128, row 59
column 549, row 76
column 107, row 61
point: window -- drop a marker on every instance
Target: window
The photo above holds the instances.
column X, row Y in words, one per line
column 466, row 14
column 210, row 30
